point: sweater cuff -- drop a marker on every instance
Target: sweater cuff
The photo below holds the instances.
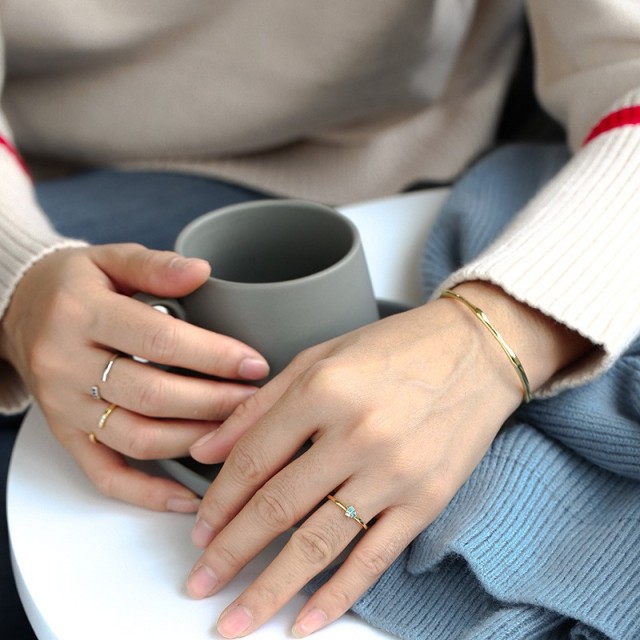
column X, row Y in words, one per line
column 572, row 252
column 26, row 237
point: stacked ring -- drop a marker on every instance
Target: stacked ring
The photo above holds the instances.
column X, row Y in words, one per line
column 108, row 366
column 349, row 512
column 105, row 415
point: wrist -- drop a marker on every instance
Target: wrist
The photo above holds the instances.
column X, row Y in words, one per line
column 542, row 345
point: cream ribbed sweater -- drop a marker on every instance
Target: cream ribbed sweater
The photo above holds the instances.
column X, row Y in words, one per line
column 339, row 101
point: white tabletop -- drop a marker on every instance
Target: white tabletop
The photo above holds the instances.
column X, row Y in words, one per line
column 91, row 567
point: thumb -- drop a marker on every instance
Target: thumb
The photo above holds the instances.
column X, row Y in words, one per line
column 132, row 268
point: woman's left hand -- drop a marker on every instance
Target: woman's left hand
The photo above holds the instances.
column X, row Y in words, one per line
column 399, row 413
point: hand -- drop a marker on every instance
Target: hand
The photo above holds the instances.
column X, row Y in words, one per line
column 399, row 413
column 71, row 313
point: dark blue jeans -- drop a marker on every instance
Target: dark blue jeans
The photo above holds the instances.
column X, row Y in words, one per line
column 103, row 207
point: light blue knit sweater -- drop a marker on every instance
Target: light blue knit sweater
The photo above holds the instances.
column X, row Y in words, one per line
column 543, row 541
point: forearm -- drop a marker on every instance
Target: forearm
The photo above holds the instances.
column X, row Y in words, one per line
column 573, row 252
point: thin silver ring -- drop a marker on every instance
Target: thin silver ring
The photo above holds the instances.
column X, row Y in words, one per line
column 108, row 367
column 95, row 392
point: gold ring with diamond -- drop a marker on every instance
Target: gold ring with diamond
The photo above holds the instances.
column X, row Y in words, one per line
column 349, row 512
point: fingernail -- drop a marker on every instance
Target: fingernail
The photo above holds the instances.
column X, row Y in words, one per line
column 253, row 368
column 202, row 534
column 185, row 263
column 199, row 443
column 234, row 621
column 202, row 581
column 180, row 504
column 310, row 622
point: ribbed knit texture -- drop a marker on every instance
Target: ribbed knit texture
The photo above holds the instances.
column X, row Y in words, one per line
column 27, row 237
column 540, row 542
column 536, row 540
column 567, row 251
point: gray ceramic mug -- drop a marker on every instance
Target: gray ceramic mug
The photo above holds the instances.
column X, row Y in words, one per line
column 285, row 275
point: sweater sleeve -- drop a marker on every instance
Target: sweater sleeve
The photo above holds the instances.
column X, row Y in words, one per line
column 573, row 252
column 25, row 236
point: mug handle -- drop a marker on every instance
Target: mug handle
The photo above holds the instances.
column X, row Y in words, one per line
column 170, row 306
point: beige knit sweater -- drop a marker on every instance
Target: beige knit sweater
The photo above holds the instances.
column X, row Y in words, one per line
column 339, row 101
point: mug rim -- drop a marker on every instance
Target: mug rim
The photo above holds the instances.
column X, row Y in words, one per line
column 355, row 247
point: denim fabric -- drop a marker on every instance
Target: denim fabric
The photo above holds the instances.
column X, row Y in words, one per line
column 134, row 206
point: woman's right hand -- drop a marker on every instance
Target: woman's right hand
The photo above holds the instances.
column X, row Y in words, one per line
column 71, row 312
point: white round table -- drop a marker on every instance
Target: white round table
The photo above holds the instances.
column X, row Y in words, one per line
column 87, row 566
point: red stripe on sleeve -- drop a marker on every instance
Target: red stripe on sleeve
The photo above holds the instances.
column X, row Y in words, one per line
column 14, row 152
column 628, row 116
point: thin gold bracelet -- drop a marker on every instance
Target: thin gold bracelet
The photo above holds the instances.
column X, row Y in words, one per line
column 513, row 358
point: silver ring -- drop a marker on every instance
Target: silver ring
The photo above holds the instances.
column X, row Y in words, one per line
column 95, row 392
column 108, row 367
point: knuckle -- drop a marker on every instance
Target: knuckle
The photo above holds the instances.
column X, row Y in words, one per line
column 150, row 398
column 140, row 445
column 160, row 341
column 247, row 408
column 330, row 381
column 228, row 557
column 213, row 510
column 373, row 561
column 369, row 433
column 313, row 545
column 150, row 261
column 269, row 598
column 243, row 464
column 272, row 509
column 320, row 380
column 300, row 361
column 340, row 596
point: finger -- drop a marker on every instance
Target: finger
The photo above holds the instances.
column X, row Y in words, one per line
column 130, row 326
column 311, row 549
column 274, row 508
column 209, row 449
column 140, row 437
column 132, row 268
column 155, row 393
column 258, row 456
column 368, row 560
column 114, row 478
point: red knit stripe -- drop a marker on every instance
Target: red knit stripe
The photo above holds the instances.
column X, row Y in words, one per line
column 14, row 152
column 628, row 116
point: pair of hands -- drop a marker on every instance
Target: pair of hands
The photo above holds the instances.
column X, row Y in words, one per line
column 399, row 413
